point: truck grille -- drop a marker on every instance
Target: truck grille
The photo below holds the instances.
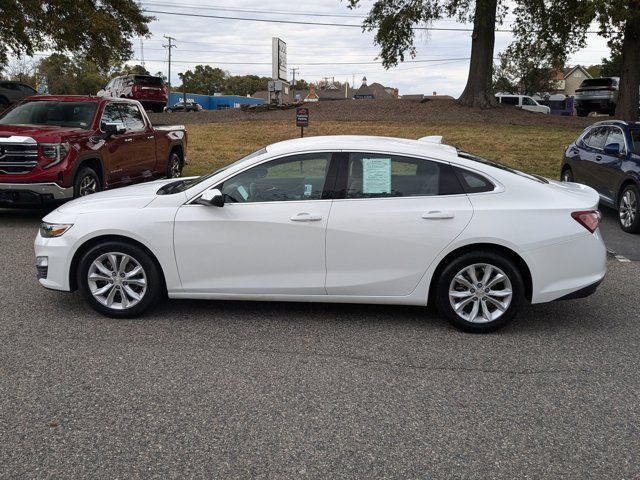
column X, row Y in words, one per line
column 17, row 158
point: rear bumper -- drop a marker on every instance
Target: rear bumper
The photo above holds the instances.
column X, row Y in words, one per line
column 33, row 193
column 582, row 293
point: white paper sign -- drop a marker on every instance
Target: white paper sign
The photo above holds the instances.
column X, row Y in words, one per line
column 376, row 175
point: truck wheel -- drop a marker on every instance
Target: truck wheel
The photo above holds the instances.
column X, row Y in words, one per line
column 174, row 168
column 86, row 182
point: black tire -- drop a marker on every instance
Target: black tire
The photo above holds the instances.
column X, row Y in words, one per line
column 476, row 297
column 582, row 113
column 567, row 175
column 86, row 182
column 174, row 166
column 157, row 108
column 629, row 209
column 150, row 293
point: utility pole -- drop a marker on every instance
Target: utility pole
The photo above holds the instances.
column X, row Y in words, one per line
column 294, row 71
column 169, row 46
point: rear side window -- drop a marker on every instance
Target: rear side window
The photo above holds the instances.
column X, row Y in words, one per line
column 374, row 175
column 132, row 117
column 473, row 182
column 510, row 100
column 635, row 140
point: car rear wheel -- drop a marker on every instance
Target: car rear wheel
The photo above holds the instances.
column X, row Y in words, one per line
column 480, row 292
column 629, row 209
column 174, row 169
column 86, row 182
column 567, row 175
column 119, row 280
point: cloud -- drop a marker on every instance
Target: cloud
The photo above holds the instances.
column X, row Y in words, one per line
column 245, row 47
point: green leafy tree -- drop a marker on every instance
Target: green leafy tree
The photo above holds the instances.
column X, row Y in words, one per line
column 611, row 67
column 394, row 22
column 245, row 84
column 525, row 71
column 134, row 70
column 204, row 79
column 97, row 29
column 66, row 75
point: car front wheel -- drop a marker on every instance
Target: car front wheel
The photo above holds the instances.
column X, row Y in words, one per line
column 567, row 175
column 119, row 279
column 480, row 292
column 86, row 182
column 629, row 209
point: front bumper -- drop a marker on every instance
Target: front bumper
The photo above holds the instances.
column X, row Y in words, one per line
column 33, row 193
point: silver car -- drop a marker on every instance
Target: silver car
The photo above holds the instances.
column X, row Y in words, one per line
column 597, row 95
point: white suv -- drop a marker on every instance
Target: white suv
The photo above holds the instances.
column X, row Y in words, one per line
column 522, row 101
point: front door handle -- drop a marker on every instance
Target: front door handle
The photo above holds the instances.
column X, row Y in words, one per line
column 437, row 215
column 128, row 140
column 306, row 217
column 598, row 158
column 150, row 137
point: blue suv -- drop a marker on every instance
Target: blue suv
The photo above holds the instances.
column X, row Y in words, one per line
column 606, row 156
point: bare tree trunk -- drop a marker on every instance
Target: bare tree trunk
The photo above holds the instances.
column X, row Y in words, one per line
column 628, row 96
column 478, row 92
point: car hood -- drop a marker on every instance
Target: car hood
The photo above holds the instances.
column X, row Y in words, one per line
column 134, row 196
column 41, row 133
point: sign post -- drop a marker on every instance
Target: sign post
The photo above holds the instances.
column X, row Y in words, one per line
column 302, row 119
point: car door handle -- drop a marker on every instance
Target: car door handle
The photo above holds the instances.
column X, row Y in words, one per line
column 306, row 217
column 437, row 215
column 150, row 137
column 128, row 140
column 598, row 158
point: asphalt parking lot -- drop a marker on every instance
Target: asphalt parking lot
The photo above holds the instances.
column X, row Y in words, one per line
column 274, row 390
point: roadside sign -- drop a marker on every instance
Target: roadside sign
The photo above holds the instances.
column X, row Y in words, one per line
column 302, row 117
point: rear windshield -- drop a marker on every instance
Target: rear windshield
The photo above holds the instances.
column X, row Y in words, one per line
column 62, row 114
column 148, row 81
column 491, row 163
column 598, row 82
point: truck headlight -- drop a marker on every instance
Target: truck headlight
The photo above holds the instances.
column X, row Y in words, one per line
column 50, row 230
column 55, row 152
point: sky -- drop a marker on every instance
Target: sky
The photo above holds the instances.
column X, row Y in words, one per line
column 343, row 53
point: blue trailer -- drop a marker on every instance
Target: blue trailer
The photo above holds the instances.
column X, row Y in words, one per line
column 215, row 102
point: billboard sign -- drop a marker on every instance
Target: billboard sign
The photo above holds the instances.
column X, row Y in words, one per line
column 279, row 59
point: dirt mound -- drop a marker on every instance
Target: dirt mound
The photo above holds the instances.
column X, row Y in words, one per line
column 404, row 111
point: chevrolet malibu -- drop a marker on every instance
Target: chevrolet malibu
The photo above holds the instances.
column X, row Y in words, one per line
column 334, row 219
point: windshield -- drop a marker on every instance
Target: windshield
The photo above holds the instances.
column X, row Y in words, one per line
column 182, row 185
column 51, row 112
column 475, row 158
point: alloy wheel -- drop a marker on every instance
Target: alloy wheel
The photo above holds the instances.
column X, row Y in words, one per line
column 88, row 185
column 175, row 168
column 480, row 293
column 628, row 208
column 117, row 280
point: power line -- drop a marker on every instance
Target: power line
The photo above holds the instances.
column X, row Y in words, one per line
column 308, row 63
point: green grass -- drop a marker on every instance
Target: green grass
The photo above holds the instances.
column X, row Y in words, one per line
column 533, row 149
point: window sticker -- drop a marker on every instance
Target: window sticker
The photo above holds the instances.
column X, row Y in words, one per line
column 308, row 189
column 243, row 192
column 376, row 175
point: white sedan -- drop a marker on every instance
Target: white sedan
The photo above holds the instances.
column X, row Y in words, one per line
column 334, row 219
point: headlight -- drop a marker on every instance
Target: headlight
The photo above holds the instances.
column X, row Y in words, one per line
column 50, row 230
column 56, row 152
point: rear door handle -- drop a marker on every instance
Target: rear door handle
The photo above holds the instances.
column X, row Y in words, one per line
column 437, row 215
column 150, row 137
column 128, row 140
column 306, row 217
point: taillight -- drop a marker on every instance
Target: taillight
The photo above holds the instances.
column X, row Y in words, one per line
column 135, row 88
column 589, row 219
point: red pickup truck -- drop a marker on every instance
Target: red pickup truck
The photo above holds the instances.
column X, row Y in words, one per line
column 54, row 148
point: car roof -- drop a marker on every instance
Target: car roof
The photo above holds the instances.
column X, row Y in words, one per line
column 75, row 98
column 366, row 143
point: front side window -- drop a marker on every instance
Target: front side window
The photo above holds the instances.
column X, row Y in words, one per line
column 635, row 140
column 298, row 177
column 132, row 117
column 616, row 136
column 597, row 137
column 111, row 114
column 510, row 100
column 373, row 175
column 528, row 101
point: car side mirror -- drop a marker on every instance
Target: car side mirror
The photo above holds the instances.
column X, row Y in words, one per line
column 212, row 197
column 113, row 128
column 612, row 149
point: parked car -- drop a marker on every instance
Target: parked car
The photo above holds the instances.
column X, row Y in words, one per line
column 12, row 92
column 597, row 95
column 522, row 101
column 559, row 104
column 150, row 91
column 188, row 106
column 334, row 219
column 56, row 148
column 606, row 156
